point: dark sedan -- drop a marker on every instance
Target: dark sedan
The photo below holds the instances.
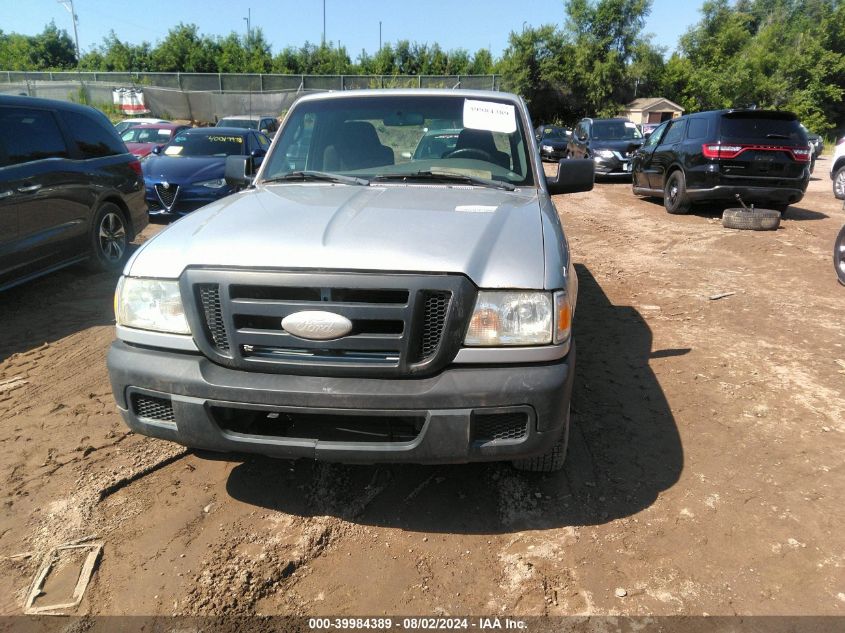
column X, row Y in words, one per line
column 187, row 173
column 552, row 141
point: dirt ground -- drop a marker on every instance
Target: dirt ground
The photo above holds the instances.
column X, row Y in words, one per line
column 705, row 473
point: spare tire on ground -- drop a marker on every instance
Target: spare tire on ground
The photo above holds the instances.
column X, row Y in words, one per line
column 751, row 219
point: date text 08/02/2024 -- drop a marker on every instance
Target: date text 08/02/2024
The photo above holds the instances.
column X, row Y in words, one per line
column 417, row 623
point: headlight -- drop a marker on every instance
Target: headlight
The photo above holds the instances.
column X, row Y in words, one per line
column 150, row 304
column 217, row 183
column 604, row 153
column 547, row 148
column 511, row 318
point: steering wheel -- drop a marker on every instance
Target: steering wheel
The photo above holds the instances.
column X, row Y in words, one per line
column 469, row 152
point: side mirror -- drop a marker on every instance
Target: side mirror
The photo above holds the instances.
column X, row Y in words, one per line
column 264, row 130
column 646, row 135
column 157, row 149
column 239, row 171
column 573, row 176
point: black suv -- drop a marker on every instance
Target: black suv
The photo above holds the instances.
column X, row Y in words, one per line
column 609, row 142
column 69, row 189
column 712, row 156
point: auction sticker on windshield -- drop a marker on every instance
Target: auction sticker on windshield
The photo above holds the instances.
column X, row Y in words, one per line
column 491, row 116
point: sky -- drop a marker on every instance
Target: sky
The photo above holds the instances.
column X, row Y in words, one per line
column 469, row 24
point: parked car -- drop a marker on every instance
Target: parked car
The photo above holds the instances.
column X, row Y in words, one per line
column 611, row 143
column 375, row 308
column 265, row 123
column 761, row 155
column 69, row 190
column 141, row 139
column 552, row 141
column 125, row 124
column 187, row 173
column 815, row 140
column 839, row 256
column 837, row 169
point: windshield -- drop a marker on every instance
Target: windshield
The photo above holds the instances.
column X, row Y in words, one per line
column 615, row 131
column 248, row 124
column 146, row 135
column 554, row 133
column 368, row 137
column 205, row 145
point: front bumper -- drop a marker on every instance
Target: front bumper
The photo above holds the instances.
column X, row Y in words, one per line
column 553, row 154
column 447, row 406
column 614, row 166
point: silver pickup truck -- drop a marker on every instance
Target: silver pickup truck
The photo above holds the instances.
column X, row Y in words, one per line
column 363, row 298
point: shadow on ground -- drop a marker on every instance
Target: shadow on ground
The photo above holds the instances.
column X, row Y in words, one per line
column 624, row 450
column 54, row 306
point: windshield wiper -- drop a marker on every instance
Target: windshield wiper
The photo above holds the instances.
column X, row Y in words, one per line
column 447, row 176
column 777, row 136
column 318, row 175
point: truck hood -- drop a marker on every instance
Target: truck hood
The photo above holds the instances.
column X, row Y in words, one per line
column 493, row 236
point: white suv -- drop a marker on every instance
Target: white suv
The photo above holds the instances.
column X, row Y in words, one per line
column 837, row 170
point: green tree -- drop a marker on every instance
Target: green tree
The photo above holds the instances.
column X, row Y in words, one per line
column 185, row 50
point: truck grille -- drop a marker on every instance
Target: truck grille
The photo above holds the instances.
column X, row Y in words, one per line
column 401, row 324
column 167, row 195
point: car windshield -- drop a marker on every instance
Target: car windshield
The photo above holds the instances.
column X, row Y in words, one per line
column 615, row 131
column 205, row 145
column 385, row 137
column 145, row 135
column 554, row 133
column 248, row 124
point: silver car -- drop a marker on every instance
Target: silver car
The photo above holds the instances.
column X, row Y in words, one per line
column 370, row 305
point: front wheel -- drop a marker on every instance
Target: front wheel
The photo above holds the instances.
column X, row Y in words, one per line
column 839, row 183
column 675, row 194
column 109, row 239
column 551, row 461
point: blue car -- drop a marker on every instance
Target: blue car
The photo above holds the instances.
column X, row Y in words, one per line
column 187, row 173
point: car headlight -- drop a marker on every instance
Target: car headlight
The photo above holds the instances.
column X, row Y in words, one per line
column 150, row 304
column 511, row 318
column 604, row 153
column 217, row 183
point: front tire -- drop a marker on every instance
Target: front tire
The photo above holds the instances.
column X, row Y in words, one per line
column 109, row 239
column 675, row 198
column 839, row 183
column 553, row 460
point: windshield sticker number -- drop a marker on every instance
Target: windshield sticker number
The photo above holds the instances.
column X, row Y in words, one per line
column 225, row 139
column 490, row 116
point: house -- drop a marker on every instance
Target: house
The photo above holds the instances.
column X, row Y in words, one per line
column 651, row 110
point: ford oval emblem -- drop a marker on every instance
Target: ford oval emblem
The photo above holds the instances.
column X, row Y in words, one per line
column 316, row 325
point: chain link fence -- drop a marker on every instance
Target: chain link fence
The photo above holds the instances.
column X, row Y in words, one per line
column 207, row 97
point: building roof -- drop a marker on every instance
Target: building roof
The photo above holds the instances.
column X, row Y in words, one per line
column 649, row 103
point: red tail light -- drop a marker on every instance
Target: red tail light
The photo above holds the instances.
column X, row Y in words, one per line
column 717, row 150
column 136, row 167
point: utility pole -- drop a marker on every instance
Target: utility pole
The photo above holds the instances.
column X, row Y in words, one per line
column 248, row 19
column 379, row 35
column 68, row 4
column 324, row 22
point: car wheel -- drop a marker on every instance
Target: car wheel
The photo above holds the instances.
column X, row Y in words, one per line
column 553, row 460
column 675, row 194
column 109, row 239
column 751, row 219
column 839, row 256
column 839, row 183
